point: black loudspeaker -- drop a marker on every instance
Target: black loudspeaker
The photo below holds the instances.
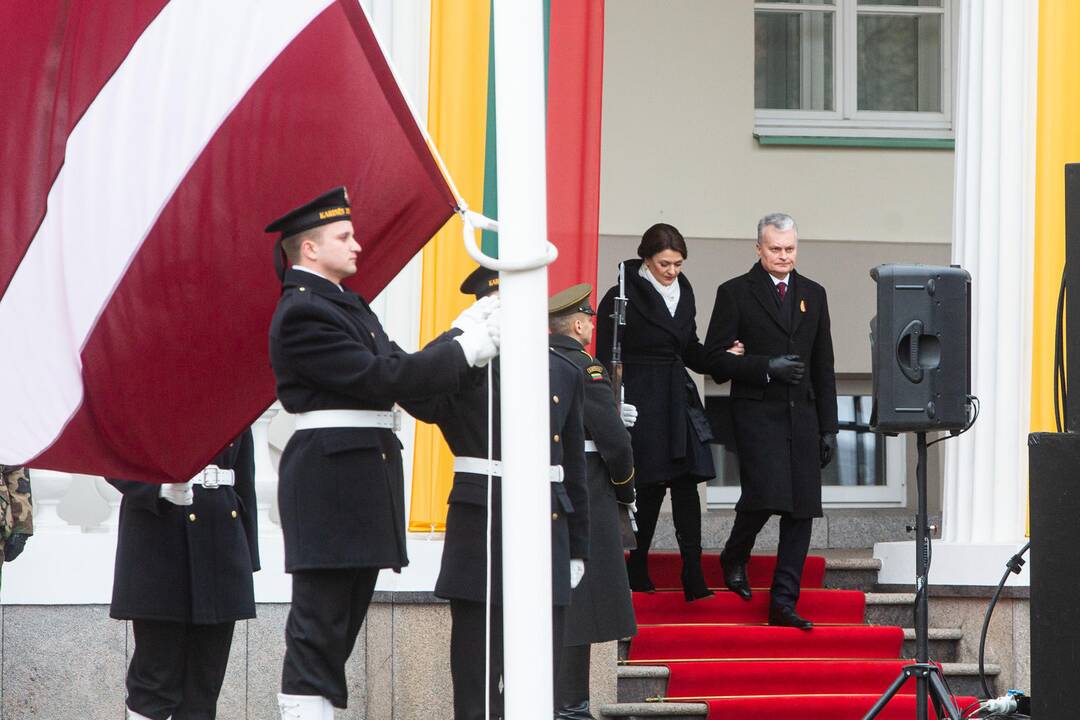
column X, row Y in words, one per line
column 1054, row 496
column 921, row 348
column 1072, row 295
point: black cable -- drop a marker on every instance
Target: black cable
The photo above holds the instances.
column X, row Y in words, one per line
column 975, row 403
column 1061, row 387
column 1014, row 565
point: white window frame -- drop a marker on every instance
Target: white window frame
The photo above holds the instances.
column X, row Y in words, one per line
column 847, row 120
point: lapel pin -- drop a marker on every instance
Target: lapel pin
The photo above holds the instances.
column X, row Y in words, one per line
column 802, row 306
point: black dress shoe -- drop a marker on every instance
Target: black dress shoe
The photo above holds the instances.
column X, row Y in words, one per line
column 735, row 578
column 577, row 711
column 787, row 617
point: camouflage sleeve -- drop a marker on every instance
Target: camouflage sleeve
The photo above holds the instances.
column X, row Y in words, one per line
column 17, row 488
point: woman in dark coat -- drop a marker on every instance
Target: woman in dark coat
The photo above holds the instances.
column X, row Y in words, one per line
column 672, row 435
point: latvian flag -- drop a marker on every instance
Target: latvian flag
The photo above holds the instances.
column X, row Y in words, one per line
column 145, row 145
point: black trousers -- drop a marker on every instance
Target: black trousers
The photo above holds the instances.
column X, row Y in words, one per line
column 685, row 513
column 328, row 608
column 467, row 645
column 790, row 555
column 177, row 669
column 572, row 684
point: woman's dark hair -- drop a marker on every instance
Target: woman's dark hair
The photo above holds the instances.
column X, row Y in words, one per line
column 661, row 237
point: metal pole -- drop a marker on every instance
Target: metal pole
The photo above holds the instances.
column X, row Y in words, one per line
column 526, row 454
column 922, row 562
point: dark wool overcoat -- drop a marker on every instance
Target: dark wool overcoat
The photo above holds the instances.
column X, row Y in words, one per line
column 601, row 608
column 341, row 492
column 777, row 425
column 672, row 435
column 190, row 563
column 463, row 419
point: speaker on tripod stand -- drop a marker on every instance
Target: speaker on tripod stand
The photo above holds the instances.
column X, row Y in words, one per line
column 921, row 355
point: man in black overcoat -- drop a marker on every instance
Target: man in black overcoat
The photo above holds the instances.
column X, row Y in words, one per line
column 601, row 608
column 185, row 554
column 463, row 419
column 341, row 490
column 783, row 404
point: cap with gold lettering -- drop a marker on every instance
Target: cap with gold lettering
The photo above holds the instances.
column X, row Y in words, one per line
column 329, row 207
column 574, row 299
column 481, row 281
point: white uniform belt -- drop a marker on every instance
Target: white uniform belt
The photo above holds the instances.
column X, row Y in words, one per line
column 590, row 446
column 388, row 419
column 213, row 477
column 481, row 466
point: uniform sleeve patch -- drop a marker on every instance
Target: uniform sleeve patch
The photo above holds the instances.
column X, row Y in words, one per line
column 596, row 372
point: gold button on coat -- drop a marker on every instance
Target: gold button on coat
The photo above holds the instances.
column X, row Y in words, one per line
column 191, row 517
column 233, row 513
column 554, row 516
column 555, row 399
column 556, row 438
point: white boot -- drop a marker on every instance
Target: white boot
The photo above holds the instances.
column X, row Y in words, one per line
column 132, row 715
column 304, row 707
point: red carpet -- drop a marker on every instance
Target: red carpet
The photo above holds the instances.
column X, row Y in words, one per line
column 721, row 651
column 834, row 607
column 664, row 569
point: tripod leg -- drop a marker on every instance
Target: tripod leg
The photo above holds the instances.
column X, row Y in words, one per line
column 941, row 695
column 885, row 698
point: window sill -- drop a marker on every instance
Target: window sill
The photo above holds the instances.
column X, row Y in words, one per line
column 857, row 142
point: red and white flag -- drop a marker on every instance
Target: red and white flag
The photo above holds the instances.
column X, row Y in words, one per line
column 145, row 146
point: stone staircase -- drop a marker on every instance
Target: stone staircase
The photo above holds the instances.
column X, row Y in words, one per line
column 641, row 686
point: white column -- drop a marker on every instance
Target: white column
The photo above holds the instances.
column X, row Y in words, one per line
column 993, row 238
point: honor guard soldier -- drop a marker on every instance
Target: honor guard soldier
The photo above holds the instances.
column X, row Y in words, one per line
column 341, row 491
column 16, row 511
column 463, row 419
column 601, row 608
column 185, row 554
column 783, row 407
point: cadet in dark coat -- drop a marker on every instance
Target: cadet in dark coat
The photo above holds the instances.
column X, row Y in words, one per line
column 601, row 608
column 672, row 435
column 783, row 403
column 185, row 554
column 341, row 491
column 463, row 419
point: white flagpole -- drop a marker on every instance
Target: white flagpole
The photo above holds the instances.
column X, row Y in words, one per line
column 526, row 503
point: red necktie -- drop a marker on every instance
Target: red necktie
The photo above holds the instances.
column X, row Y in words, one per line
column 781, row 287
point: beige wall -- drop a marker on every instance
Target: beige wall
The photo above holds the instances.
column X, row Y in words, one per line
column 678, row 142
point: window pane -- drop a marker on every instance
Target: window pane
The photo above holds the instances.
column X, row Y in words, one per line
column 905, row 3
column 793, row 68
column 899, row 63
column 804, row 2
column 860, row 454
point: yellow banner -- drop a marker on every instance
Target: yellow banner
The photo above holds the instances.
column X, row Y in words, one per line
column 1057, row 142
column 457, row 121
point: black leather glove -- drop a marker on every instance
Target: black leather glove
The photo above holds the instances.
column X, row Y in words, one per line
column 14, row 546
column 787, row 368
column 625, row 493
column 828, row 448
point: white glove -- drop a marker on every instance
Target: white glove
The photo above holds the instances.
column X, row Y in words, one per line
column 476, row 314
column 629, row 415
column 577, row 571
column 494, row 325
column 177, row 493
column 478, row 344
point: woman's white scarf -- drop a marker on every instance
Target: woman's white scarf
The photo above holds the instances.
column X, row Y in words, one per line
column 669, row 293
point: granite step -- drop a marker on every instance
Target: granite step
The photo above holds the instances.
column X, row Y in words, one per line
column 897, row 609
column 851, row 573
column 668, row 711
column 944, row 644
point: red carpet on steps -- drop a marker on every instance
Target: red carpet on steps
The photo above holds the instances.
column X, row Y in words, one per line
column 664, row 569
column 721, row 651
column 837, row 607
